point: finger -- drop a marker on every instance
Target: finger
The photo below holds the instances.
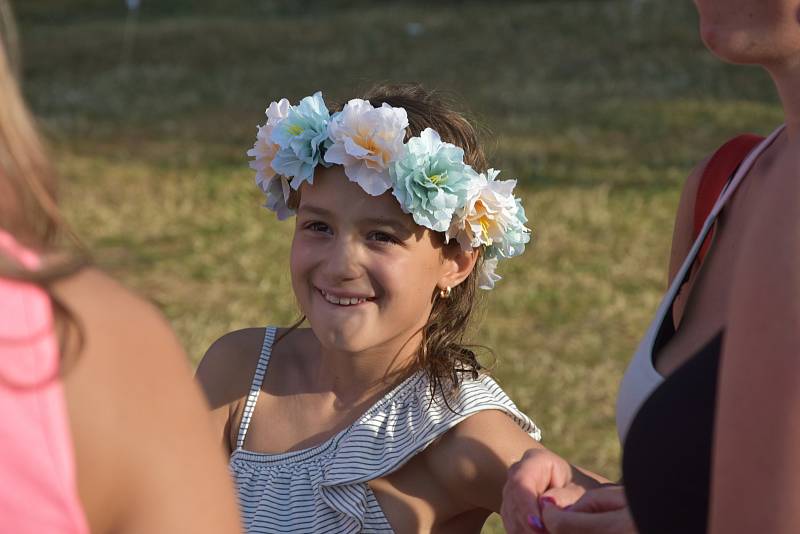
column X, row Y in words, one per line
column 559, row 521
column 537, row 471
column 520, row 495
column 514, row 521
column 532, row 474
column 563, row 497
column 601, row 500
column 520, row 511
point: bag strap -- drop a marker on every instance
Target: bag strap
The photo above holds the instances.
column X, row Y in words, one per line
column 717, row 174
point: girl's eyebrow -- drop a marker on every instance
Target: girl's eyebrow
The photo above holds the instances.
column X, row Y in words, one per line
column 314, row 209
column 380, row 221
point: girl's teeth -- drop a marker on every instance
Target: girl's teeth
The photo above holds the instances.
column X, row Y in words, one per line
column 343, row 301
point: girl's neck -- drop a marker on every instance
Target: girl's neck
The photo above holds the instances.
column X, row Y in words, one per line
column 352, row 376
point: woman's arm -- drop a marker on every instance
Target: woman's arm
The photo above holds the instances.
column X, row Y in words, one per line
column 756, row 459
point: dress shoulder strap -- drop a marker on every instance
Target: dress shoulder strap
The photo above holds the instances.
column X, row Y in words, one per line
column 255, row 386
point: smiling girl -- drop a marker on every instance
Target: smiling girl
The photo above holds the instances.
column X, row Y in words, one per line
column 377, row 418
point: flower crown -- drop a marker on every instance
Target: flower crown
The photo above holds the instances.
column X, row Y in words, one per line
column 427, row 176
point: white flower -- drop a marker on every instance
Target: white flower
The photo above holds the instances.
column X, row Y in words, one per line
column 277, row 191
column 365, row 141
column 490, row 212
column 264, row 149
column 487, row 276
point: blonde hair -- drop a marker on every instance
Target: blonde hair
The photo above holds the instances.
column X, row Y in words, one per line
column 28, row 184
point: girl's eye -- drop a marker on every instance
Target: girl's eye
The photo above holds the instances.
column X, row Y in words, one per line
column 318, row 227
column 382, row 237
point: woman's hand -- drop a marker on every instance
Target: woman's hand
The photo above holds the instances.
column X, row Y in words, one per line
column 600, row 511
column 538, row 471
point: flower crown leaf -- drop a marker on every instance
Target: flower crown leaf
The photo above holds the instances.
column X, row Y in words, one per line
column 427, row 176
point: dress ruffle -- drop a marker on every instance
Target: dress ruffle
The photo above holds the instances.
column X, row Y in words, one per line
column 336, row 473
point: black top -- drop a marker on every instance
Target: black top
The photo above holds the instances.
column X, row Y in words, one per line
column 666, row 457
column 666, row 461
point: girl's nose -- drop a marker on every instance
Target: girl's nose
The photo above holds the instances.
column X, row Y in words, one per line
column 344, row 260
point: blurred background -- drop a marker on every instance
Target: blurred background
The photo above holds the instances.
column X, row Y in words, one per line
column 599, row 108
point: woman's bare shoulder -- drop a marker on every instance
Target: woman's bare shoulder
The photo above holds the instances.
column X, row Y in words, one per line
column 91, row 290
column 136, row 415
column 109, row 316
column 765, row 281
column 126, row 344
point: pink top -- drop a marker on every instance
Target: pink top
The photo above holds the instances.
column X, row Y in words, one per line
column 38, row 491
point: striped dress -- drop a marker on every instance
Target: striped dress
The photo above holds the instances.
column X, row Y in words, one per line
column 325, row 488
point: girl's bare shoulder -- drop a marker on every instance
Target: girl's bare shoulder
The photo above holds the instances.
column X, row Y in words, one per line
column 226, row 370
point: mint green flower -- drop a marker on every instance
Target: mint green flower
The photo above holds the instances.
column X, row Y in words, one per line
column 516, row 234
column 431, row 180
column 303, row 138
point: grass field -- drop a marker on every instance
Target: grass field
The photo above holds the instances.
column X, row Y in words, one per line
column 600, row 108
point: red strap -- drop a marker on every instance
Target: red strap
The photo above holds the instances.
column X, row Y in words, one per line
column 717, row 173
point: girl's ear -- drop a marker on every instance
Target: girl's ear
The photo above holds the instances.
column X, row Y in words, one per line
column 457, row 265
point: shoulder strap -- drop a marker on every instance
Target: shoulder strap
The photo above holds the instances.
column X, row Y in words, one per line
column 255, row 387
column 715, row 177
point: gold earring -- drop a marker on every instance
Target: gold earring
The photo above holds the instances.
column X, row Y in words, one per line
column 445, row 293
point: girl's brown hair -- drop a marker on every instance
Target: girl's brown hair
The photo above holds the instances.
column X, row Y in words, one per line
column 28, row 198
column 443, row 353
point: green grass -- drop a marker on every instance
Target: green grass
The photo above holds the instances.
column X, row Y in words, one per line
column 600, row 108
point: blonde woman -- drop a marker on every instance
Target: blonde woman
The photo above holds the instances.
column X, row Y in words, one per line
column 101, row 426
